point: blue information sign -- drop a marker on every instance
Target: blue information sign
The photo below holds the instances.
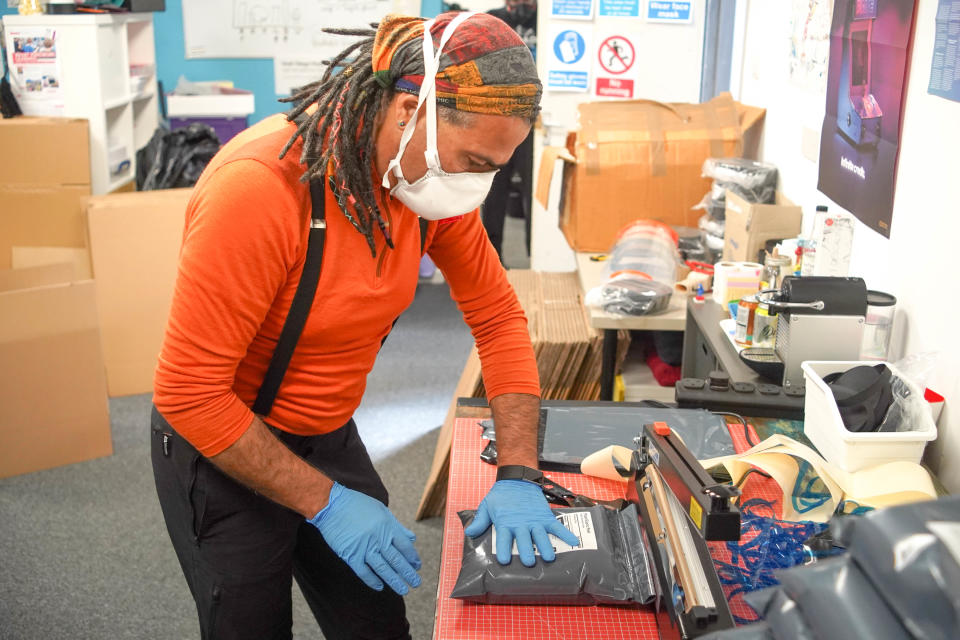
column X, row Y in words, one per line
column 619, row 8
column 569, row 47
column 582, row 9
column 661, row 11
column 572, row 80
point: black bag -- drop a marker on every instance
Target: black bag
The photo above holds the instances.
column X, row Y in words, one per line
column 863, row 395
column 609, row 567
column 175, row 159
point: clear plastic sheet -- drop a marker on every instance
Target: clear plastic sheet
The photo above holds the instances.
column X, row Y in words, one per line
column 611, row 568
column 630, row 295
column 641, row 271
column 909, row 409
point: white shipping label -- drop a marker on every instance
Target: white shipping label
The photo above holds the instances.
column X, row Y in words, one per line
column 580, row 523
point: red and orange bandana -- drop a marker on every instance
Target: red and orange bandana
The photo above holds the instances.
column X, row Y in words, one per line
column 485, row 67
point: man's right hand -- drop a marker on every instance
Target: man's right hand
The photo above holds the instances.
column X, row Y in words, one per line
column 365, row 535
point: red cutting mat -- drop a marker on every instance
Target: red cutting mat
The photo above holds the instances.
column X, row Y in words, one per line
column 470, row 479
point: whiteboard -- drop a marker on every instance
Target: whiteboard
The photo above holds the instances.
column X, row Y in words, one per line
column 267, row 28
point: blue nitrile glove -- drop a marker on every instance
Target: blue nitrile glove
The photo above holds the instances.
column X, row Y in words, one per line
column 363, row 532
column 518, row 511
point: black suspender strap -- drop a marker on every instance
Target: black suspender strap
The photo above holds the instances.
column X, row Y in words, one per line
column 303, row 298
column 300, row 307
column 424, row 227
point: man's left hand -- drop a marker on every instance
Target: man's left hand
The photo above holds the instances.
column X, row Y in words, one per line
column 518, row 511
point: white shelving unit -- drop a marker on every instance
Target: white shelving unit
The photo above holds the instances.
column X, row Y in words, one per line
column 95, row 54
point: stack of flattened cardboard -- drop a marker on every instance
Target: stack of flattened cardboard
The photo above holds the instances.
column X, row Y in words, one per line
column 568, row 350
column 568, row 354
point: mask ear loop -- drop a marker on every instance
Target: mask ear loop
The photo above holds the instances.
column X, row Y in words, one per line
column 431, row 153
column 394, row 165
column 431, row 65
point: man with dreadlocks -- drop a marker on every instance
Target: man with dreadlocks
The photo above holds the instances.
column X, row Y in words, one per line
column 409, row 124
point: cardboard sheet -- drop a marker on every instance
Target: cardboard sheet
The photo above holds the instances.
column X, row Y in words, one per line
column 135, row 244
column 880, row 486
column 78, row 259
column 41, row 215
column 53, row 392
column 12, row 279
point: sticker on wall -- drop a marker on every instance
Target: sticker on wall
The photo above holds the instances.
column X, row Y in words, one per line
column 568, row 67
column 572, row 9
column 619, row 8
column 669, row 12
column 616, row 70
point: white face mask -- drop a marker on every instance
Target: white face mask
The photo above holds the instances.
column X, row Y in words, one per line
column 438, row 194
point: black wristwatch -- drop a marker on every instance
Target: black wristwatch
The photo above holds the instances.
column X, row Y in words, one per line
column 519, row 472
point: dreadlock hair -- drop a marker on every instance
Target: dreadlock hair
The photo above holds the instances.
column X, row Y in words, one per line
column 341, row 131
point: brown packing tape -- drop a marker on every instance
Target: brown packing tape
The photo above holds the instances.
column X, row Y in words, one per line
column 590, row 150
column 714, row 134
column 548, row 161
column 658, row 143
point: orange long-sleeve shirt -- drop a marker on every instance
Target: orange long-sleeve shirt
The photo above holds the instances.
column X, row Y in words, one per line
column 243, row 251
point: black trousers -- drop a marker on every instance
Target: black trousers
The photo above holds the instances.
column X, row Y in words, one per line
column 496, row 203
column 239, row 551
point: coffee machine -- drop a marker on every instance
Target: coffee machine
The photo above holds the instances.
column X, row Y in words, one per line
column 820, row 318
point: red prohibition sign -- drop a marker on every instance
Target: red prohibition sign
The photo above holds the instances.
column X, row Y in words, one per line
column 616, row 54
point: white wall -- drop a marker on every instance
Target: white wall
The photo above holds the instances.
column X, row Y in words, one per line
column 670, row 57
column 917, row 263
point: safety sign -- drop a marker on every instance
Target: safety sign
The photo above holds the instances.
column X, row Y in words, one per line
column 619, row 8
column 616, row 66
column 568, row 65
column 572, row 9
column 673, row 12
column 616, row 54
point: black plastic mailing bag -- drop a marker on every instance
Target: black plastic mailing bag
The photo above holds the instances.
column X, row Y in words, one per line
column 609, row 567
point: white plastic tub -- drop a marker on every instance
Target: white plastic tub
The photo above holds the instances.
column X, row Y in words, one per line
column 854, row 451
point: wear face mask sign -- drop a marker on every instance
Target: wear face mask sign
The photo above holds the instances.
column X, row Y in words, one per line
column 438, row 194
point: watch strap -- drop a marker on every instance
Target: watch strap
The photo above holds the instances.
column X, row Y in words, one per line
column 519, row 472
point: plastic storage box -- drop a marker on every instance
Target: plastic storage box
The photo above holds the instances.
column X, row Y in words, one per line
column 225, row 110
column 849, row 450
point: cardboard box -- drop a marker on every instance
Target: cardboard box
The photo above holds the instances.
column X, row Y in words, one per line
column 134, row 246
column 641, row 159
column 41, row 215
column 749, row 226
column 11, row 279
column 53, row 391
column 77, row 259
column 51, row 151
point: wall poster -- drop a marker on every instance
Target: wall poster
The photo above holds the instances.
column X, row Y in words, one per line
column 945, row 68
column 860, row 139
column 35, row 70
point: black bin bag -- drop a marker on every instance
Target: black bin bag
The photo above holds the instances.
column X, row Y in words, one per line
column 609, row 567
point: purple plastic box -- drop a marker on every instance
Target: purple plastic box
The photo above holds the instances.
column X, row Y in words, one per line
column 225, row 127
